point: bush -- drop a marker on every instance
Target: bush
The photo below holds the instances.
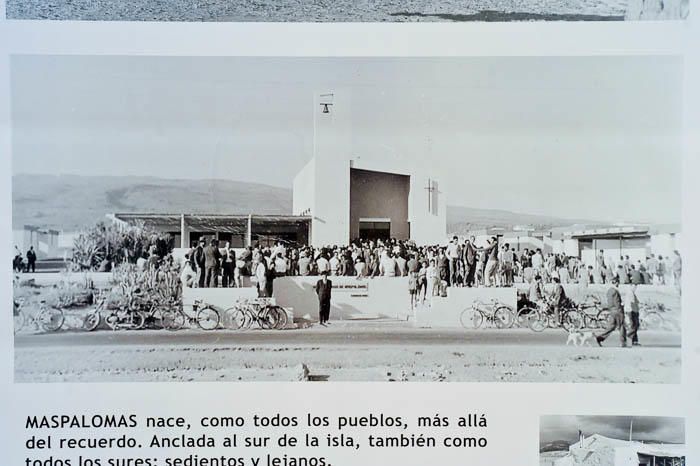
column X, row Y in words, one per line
column 118, row 244
column 134, row 288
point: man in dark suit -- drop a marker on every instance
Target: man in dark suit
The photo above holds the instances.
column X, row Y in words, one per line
column 212, row 256
column 469, row 253
column 200, row 261
column 228, row 262
column 323, row 291
column 617, row 315
column 31, row 260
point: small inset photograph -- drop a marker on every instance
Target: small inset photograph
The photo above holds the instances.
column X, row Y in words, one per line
column 612, row 441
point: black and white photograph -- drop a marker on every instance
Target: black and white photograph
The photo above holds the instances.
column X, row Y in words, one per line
column 495, row 219
column 384, row 11
column 612, row 441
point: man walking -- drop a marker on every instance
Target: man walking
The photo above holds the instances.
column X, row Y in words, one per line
column 632, row 306
column 617, row 316
column 323, row 291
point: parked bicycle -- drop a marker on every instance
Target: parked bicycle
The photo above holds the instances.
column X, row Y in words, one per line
column 47, row 318
column 540, row 316
column 203, row 314
column 595, row 315
column 120, row 315
column 92, row 319
column 262, row 311
column 496, row 313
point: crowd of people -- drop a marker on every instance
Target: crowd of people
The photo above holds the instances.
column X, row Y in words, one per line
column 433, row 267
column 430, row 268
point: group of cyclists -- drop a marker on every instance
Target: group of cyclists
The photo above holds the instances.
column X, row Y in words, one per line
column 615, row 313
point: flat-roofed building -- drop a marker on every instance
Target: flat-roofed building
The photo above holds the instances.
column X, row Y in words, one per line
column 353, row 196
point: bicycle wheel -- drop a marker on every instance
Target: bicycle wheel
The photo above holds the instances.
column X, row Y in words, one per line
column 234, row 318
column 267, row 319
column 573, row 320
column 283, row 318
column 172, row 319
column 651, row 321
column 208, row 318
column 278, row 315
column 138, row 320
column 112, row 320
column 157, row 316
column 91, row 320
column 19, row 321
column 471, row 318
column 537, row 321
column 523, row 316
column 50, row 319
column 503, row 317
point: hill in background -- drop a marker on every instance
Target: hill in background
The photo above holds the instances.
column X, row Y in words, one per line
column 71, row 202
column 464, row 219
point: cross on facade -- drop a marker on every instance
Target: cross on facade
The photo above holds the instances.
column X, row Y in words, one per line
column 432, row 196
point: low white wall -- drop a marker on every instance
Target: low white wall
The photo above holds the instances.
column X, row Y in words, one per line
column 351, row 298
column 382, row 297
column 446, row 311
column 358, row 299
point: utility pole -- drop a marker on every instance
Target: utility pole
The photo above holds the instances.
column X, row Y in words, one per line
column 631, row 424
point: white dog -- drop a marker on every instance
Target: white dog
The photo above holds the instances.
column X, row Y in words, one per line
column 578, row 338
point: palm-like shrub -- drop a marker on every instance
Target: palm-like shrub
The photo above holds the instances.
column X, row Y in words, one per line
column 118, row 243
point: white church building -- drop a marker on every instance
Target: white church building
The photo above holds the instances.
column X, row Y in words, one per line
column 352, row 196
column 338, row 196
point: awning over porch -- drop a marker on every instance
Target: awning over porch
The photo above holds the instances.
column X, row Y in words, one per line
column 248, row 226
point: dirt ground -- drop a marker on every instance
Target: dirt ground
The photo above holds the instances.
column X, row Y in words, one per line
column 482, row 356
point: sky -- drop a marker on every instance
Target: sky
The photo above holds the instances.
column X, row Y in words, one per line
column 576, row 137
column 644, row 428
